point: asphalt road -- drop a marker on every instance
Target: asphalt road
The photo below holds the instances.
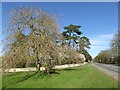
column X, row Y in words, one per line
column 111, row 70
column 109, row 67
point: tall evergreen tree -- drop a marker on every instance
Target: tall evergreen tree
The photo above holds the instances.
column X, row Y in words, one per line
column 84, row 42
column 71, row 34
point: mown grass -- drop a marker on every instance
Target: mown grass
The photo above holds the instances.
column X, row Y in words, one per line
column 79, row 77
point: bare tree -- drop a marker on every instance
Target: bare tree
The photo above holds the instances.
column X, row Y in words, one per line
column 32, row 35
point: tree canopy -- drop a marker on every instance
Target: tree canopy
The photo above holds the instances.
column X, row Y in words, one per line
column 33, row 37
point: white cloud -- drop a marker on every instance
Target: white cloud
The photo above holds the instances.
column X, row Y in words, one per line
column 100, row 42
column 101, row 39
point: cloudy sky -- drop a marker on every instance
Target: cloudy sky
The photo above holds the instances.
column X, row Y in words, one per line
column 98, row 20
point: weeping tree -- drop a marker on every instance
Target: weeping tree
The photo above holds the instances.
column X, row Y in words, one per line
column 31, row 37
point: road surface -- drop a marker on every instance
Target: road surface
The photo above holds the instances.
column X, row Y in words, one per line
column 111, row 70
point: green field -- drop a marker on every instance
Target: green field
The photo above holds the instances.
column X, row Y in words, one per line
column 79, row 77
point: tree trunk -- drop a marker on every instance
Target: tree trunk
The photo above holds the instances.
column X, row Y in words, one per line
column 38, row 65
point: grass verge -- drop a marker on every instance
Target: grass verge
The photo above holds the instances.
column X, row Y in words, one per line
column 78, row 77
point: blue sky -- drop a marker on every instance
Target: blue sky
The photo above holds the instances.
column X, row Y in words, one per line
column 98, row 20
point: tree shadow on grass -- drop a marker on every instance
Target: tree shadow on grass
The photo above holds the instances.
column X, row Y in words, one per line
column 28, row 76
column 70, row 69
column 42, row 74
column 19, row 77
column 39, row 74
column 54, row 72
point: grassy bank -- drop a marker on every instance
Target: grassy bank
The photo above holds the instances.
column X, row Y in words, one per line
column 79, row 77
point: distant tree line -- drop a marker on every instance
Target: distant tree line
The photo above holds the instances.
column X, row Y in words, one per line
column 111, row 56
